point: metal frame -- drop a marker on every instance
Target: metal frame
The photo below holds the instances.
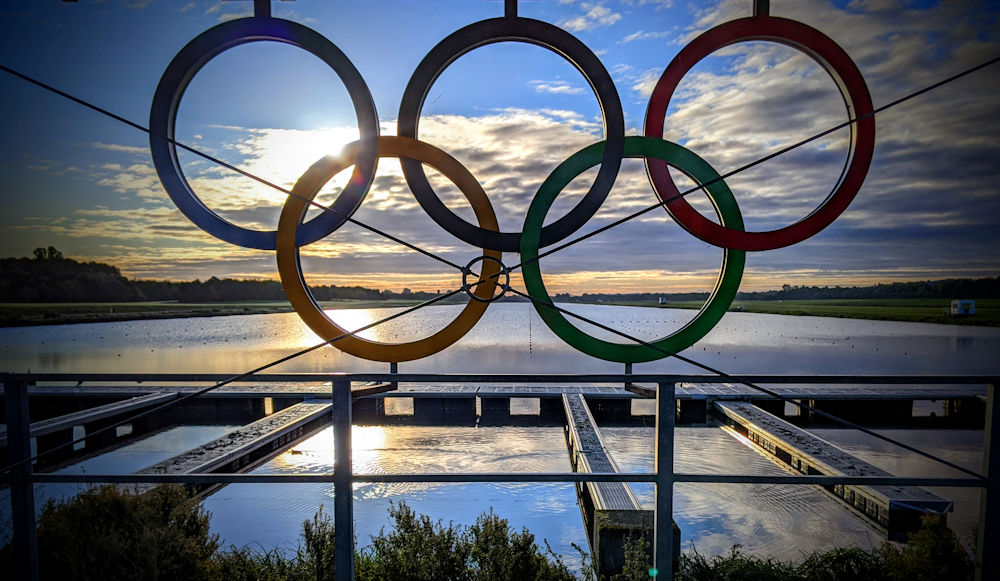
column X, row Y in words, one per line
column 22, row 479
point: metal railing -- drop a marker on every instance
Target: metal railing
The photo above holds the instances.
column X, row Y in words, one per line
column 21, row 478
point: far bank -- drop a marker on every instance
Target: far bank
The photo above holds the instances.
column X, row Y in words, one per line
column 907, row 310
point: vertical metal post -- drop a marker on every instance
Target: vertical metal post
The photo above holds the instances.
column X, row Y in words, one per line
column 343, row 494
column 987, row 561
column 262, row 8
column 510, row 8
column 22, row 491
column 663, row 521
column 393, row 370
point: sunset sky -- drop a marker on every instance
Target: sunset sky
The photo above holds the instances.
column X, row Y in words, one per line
column 510, row 112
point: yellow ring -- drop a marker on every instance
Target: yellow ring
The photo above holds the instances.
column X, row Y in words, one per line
column 290, row 269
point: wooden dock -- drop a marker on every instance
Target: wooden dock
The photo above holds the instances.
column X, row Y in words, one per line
column 894, row 509
column 245, row 448
column 54, row 432
column 960, row 405
column 611, row 512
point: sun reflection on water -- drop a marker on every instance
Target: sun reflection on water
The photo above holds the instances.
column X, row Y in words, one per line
column 315, row 454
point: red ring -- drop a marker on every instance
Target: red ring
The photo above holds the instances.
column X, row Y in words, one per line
column 852, row 86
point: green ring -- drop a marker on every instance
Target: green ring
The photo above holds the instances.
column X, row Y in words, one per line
column 726, row 286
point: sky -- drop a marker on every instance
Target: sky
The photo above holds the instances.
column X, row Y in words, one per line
column 510, row 112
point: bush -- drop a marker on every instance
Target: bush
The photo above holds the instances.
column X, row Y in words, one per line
column 417, row 548
column 110, row 533
column 932, row 553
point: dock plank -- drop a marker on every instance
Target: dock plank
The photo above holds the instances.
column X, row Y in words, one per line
column 611, row 511
column 895, row 508
column 284, row 390
column 245, row 447
column 737, row 391
column 67, row 421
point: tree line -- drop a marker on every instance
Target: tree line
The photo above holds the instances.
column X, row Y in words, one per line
column 50, row 277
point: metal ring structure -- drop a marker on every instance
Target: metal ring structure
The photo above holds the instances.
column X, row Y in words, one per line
column 856, row 97
column 718, row 302
column 468, row 287
column 185, row 66
column 290, row 268
column 512, row 28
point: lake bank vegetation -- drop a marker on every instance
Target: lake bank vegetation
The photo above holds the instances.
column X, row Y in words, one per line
column 52, row 289
column 112, row 533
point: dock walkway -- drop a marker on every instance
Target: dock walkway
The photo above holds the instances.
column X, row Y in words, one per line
column 896, row 509
column 251, row 445
column 611, row 512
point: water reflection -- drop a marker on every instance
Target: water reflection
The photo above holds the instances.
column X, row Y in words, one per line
column 786, row 520
column 272, row 515
column 510, row 336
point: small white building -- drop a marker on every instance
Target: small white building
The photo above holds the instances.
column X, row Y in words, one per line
column 962, row 307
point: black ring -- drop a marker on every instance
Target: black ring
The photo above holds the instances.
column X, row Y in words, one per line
column 190, row 60
column 540, row 34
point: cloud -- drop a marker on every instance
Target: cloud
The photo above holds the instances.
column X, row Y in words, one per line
column 121, row 148
column 594, row 16
column 928, row 198
column 556, row 88
column 642, row 35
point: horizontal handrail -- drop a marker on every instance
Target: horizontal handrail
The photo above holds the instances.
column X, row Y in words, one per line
column 231, row 478
column 496, row 378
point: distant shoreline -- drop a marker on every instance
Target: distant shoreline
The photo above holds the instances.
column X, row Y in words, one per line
column 905, row 310
column 36, row 314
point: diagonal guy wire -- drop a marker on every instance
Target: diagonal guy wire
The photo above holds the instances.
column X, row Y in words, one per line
column 767, row 157
column 226, row 165
column 737, row 379
column 549, row 252
column 233, row 379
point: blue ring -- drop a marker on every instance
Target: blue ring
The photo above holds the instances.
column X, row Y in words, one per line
column 163, row 116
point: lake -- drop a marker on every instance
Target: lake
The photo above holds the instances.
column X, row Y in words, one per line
column 781, row 520
column 509, row 338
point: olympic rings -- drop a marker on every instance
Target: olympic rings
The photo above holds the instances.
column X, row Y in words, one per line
column 728, row 283
column 290, row 269
column 293, row 231
column 837, row 64
column 541, row 34
column 190, row 60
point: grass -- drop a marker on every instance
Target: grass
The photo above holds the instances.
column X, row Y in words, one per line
column 24, row 314
column 912, row 310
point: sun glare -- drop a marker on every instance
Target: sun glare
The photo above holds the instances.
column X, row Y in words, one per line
column 286, row 154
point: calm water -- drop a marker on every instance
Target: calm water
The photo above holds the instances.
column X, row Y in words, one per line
column 510, row 337
column 784, row 521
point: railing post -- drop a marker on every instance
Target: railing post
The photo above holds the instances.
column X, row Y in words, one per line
column 987, row 561
column 663, row 521
column 22, row 491
column 343, row 494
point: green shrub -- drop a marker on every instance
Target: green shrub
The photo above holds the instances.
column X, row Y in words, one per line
column 847, row 564
column 736, row 566
column 933, row 553
column 417, row 548
column 109, row 533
